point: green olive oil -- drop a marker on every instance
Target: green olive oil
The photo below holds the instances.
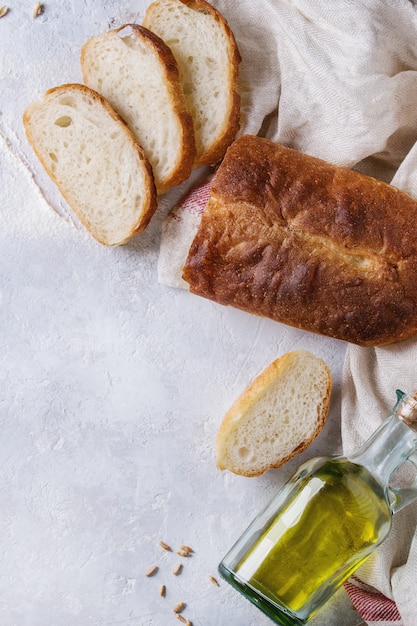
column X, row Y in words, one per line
column 324, row 522
column 294, row 557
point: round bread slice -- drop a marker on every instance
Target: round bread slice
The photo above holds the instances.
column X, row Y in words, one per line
column 208, row 60
column 277, row 416
column 137, row 73
column 91, row 155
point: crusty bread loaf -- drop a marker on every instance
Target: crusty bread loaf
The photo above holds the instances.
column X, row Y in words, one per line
column 90, row 154
column 316, row 246
column 208, row 60
column 137, row 73
column 277, row 416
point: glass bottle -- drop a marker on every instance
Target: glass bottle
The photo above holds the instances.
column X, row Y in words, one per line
column 324, row 522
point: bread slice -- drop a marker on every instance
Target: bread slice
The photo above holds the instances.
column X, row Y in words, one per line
column 90, row 154
column 277, row 416
column 208, row 59
column 137, row 73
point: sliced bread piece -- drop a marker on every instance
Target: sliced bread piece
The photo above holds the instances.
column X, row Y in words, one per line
column 208, row 59
column 277, row 416
column 91, row 155
column 137, row 73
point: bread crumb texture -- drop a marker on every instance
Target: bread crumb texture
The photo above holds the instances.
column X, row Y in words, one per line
column 137, row 74
column 91, row 156
column 277, row 416
column 208, row 59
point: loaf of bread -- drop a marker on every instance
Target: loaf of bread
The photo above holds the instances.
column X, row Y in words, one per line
column 277, row 416
column 91, row 155
column 208, row 59
column 309, row 244
column 137, row 73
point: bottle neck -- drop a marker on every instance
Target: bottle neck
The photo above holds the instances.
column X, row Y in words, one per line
column 389, row 446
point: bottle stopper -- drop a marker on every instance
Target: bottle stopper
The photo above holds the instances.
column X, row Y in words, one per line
column 407, row 411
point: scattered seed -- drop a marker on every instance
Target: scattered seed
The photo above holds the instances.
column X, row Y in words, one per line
column 3, row 11
column 152, row 570
column 163, row 591
column 165, row 546
column 178, row 608
column 186, row 549
column 177, row 569
column 180, row 618
column 181, row 552
column 188, row 623
column 214, row 581
column 37, row 9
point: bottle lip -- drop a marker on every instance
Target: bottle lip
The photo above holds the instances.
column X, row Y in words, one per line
column 407, row 411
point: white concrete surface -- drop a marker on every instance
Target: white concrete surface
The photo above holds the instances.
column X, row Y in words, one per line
column 112, row 389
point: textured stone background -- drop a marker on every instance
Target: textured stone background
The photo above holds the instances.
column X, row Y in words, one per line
column 112, row 389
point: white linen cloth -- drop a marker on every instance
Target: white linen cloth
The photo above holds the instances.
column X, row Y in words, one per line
column 338, row 80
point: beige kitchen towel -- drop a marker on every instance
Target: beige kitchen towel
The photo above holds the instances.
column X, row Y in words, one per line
column 337, row 80
column 371, row 377
column 334, row 79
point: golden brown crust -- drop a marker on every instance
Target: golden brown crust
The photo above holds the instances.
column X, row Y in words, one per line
column 309, row 244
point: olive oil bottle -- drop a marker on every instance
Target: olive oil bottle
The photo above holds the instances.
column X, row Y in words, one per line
column 324, row 522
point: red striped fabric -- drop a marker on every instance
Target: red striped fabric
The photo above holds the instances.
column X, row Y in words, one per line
column 196, row 200
column 371, row 605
